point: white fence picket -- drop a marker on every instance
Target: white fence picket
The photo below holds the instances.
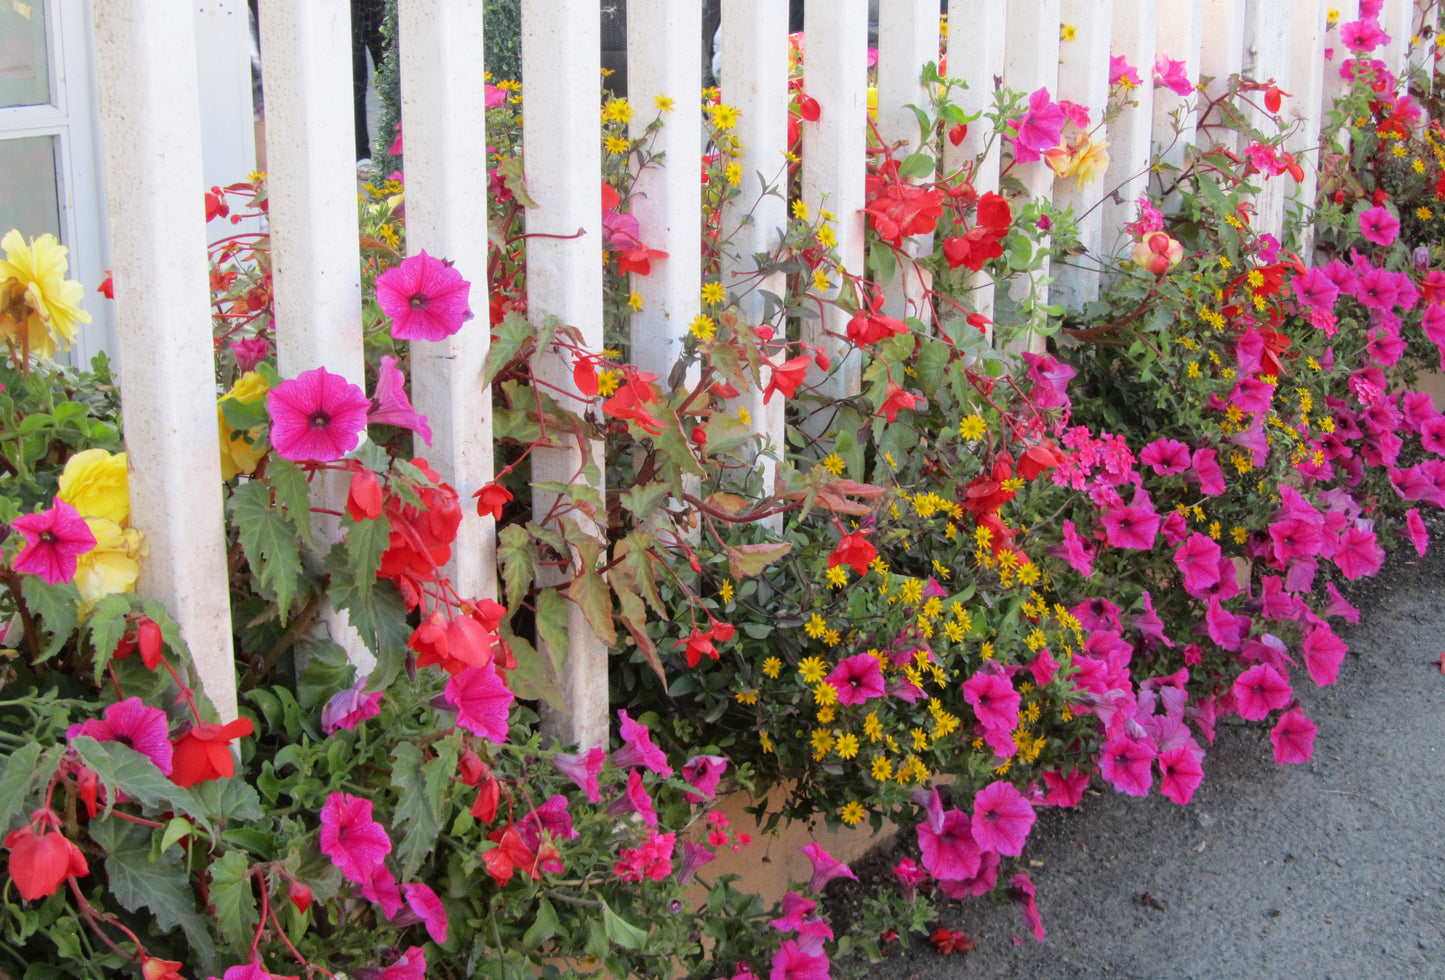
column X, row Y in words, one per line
column 1224, row 56
column 444, row 116
column 150, row 114
column 562, row 156
column 1131, row 135
column 1304, row 106
column 1084, row 79
column 1179, row 35
column 835, row 69
column 1267, row 43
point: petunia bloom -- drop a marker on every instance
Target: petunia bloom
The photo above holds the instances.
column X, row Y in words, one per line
column 1260, row 690
column 825, row 867
column 1038, row 129
column 583, row 770
column 1002, row 818
column 702, row 773
column 995, row 702
column 348, row 708
column 949, row 849
column 425, row 297
column 390, row 405
column 637, row 748
column 316, row 416
column 857, row 679
column 1293, row 737
column 483, row 702
column 428, row 908
column 135, row 725
column 1378, row 225
column 1021, row 891
column 351, row 838
column 54, row 541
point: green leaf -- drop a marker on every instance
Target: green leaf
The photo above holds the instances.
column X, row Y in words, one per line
column 916, row 166
column 327, row 671
column 508, row 339
column 643, row 500
column 543, row 927
column 234, row 899
column 160, row 886
column 271, row 541
column 176, row 829
column 517, row 555
column 379, row 619
column 106, row 626
column 57, row 605
column 594, row 598
column 293, row 491
column 421, row 804
column 745, row 560
column 244, row 416
column 365, row 543
column 553, row 615
column 536, row 677
column 122, row 767
column 620, row 931
column 229, row 799
column 16, row 779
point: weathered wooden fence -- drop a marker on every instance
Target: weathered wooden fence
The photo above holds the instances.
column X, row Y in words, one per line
column 151, row 132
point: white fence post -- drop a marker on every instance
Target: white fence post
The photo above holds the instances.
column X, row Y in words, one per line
column 662, row 60
column 907, row 40
column 1306, row 106
column 1131, row 136
column 1084, row 78
column 146, row 67
column 1224, row 55
column 1031, row 62
column 1268, row 26
column 755, row 81
column 1181, row 27
column 443, row 99
column 835, row 69
column 975, row 56
column 315, row 249
column 562, row 157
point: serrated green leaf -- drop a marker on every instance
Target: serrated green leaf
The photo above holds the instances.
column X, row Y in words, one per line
column 543, row 927
column 620, row 931
column 421, row 803
column 160, row 886
column 517, row 555
column 643, row 500
column 105, row 627
column 16, row 779
column 234, row 899
column 379, row 619
column 229, row 799
column 327, row 671
column 594, row 598
column 121, row 767
column 244, row 416
column 365, row 543
column 508, row 339
column 746, row 560
column 553, row 613
column 58, row 606
column 271, row 542
column 536, row 677
column 293, row 491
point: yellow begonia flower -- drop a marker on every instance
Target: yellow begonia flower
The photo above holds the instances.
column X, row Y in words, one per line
column 38, row 305
column 1085, row 159
column 241, row 453
column 97, row 484
column 113, row 564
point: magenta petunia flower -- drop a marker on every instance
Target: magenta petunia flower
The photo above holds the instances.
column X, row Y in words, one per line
column 1065, row 789
column 428, row 908
column 1359, row 554
column 1338, row 605
column 1172, row 74
column 1149, row 623
column 1260, row 690
column 975, row 885
column 1021, row 891
column 1002, row 818
column 1166, row 456
column 1378, row 225
column 1198, row 559
column 425, row 297
column 909, row 876
column 857, row 679
column 995, row 702
column 355, row 843
column 1134, row 526
column 1324, row 652
column 316, row 415
column 250, row 352
column 794, row 962
column 794, row 907
column 390, row 406
column 349, row 708
column 1043, row 667
column 1038, row 129
column 637, row 748
column 1181, row 774
column 694, row 856
column 949, row 850
column 380, row 887
column 1295, row 537
column 583, row 770
column 135, row 725
column 1293, row 737
column 410, row 965
column 702, row 773
column 1097, row 613
column 1074, row 550
column 1364, row 35
column 1127, row 763
column 825, row 867
column 54, row 540
column 1415, row 528
column 254, row 970
column 1121, row 71
column 634, row 799
column 482, row 700
column 1315, row 289
column 550, row 818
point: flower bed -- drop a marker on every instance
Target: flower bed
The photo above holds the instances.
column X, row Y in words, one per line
column 981, row 582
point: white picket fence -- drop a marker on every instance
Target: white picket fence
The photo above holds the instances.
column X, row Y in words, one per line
column 152, row 143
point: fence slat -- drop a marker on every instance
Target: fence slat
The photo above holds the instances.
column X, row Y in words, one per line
column 754, row 78
column 1084, row 78
column 835, row 71
column 315, row 252
column 1267, row 45
column 1397, row 18
column 907, row 40
column 1224, row 55
column 1031, row 62
column 1181, row 28
column 1131, row 135
column 443, row 99
column 562, row 157
column 1306, row 104
column 150, row 113
column 662, row 60
column 975, row 56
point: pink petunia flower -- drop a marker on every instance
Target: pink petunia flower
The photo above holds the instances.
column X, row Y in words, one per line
column 1364, row 35
column 1415, row 528
column 250, row 352
column 1065, row 789
column 1134, row 526
column 583, row 770
column 857, row 679
column 1121, row 71
column 1181, row 774
column 428, row 909
column 552, row 819
column 825, row 867
column 316, row 416
column 1021, row 891
column 482, row 701
column 1260, row 690
column 909, row 876
column 1074, row 550
column 1198, row 559
column 1166, row 456
column 949, row 850
column 1173, row 75
column 410, row 965
column 54, row 540
column 637, row 748
column 1293, row 737
column 1324, row 652
column 1378, row 225
column 351, row 838
column 1002, row 818
column 634, row 799
column 694, row 856
column 995, row 702
column 1359, row 554
column 702, row 773
column 794, row 907
column 349, row 708
column 975, row 885
column 390, row 406
column 1038, row 129
column 135, row 725
column 796, row 962
column 1127, row 763
column 380, row 887
column 252, row 971
column 425, row 297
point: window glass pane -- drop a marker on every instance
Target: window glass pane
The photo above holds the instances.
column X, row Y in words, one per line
column 28, row 198
column 24, row 67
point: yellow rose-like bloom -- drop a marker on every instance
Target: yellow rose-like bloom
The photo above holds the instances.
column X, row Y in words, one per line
column 38, row 305
column 113, row 564
column 240, row 453
column 1085, row 159
column 97, row 484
